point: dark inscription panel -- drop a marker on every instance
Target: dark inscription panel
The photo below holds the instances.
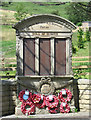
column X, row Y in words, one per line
column 29, row 57
column 60, row 56
column 45, row 64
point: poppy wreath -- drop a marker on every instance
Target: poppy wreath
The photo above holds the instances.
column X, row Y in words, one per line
column 42, row 102
column 21, row 96
column 52, row 110
column 30, row 111
column 69, row 95
column 36, row 98
column 52, row 103
column 67, row 108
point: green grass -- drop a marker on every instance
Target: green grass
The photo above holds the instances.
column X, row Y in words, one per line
column 83, row 52
column 83, row 70
column 7, row 17
column 80, row 64
column 38, row 9
column 74, row 38
column 5, row 72
column 80, row 59
column 80, row 52
column 10, row 65
column 8, row 41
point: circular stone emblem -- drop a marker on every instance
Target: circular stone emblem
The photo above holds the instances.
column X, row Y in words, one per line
column 46, row 87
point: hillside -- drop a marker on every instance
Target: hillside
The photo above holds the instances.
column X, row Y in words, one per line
column 33, row 8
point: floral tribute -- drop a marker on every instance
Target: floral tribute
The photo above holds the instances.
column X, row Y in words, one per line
column 41, row 101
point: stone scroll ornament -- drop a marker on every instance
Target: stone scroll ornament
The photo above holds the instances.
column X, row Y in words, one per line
column 41, row 101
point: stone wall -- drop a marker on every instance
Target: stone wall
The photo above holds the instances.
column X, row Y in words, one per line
column 84, row 87
column 8, row 93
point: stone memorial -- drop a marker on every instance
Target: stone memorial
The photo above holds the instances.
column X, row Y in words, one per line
column 44, row 56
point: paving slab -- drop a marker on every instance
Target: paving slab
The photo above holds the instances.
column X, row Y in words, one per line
column 63, row 116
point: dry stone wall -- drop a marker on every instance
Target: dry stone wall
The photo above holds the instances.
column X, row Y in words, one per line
column 84, row 87
column 8, row 94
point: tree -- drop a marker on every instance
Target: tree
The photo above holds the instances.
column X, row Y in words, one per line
column 79, row 11
column 5, row 4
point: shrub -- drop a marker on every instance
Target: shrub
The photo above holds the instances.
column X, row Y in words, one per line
column 79, row 24
column 80, row 38
column 87, row 35
column 74, row 48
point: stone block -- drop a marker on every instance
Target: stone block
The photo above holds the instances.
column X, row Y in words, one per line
column 4, row 108
column 4, row 93
column 84, row 81
column 5, row 88
column 0, row 113
column 42, row 111
column 82, row 101
column 4, row 99
column 85, row 87
column 13, row 88
column 4, row 113
column 12, row 108
column 85, row 92
column 18, row 111
column 12, row 102
column 8, row 98
column 4, row 104
column 84, row 106
column 84, row 97
column 84, row 110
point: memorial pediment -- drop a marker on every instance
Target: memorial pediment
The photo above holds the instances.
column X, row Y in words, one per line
column 49, row 26
column 43, row 23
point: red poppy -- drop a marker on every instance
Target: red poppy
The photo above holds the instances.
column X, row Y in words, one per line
column 29, row 111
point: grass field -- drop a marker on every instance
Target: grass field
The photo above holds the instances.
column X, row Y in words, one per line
column 7, row 17
column 8, row 41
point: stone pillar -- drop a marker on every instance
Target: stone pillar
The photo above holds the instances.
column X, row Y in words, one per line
column 36, row 56
column 52, row 55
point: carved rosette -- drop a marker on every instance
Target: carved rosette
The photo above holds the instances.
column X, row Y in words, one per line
column 46, row 86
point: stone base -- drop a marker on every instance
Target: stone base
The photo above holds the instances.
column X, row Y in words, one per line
column 18, row 111
column 37, row 111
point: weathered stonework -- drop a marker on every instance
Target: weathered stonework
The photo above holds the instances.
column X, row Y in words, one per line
column 84, row 88
column 43, row 26
column 57, row 31
column 8, row 95
column 46, row 86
